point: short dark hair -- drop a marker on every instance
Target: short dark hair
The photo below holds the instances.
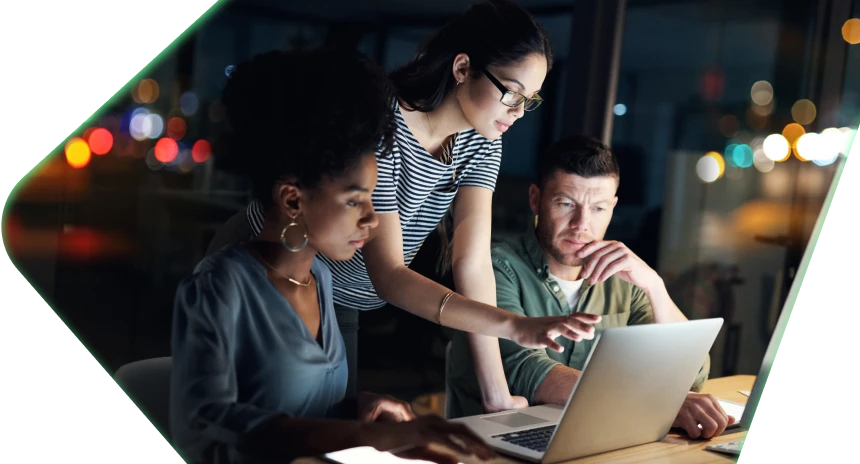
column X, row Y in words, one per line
column 581, row 155
column 491, row 32
column 306, row 115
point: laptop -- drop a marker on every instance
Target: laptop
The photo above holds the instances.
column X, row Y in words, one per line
column 632, row 386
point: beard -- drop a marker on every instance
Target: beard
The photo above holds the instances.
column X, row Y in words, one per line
column 548, row 243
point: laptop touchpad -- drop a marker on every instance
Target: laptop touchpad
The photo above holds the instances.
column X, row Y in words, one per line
column 516, row 419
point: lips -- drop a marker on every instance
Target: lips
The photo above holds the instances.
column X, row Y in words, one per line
column 502, row 126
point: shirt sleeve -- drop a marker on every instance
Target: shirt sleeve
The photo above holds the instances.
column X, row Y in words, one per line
column 384, row 196
column 525, row 368
column 205, row 408
column 641, row 312
column 485, row 170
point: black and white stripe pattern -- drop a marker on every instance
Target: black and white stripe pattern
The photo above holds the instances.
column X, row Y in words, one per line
column 419, row 188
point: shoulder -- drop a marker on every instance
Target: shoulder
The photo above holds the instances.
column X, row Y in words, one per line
column 506, row 257
column 474, row 143
column 223, row 267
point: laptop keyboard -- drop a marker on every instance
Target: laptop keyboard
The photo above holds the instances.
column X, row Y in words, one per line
column 534, row 439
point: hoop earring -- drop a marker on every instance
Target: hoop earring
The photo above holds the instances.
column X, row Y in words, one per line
column 284, row 238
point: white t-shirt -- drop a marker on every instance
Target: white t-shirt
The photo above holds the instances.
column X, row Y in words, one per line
column 570, row 288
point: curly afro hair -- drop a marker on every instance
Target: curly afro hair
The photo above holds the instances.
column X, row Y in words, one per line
column 305, row 116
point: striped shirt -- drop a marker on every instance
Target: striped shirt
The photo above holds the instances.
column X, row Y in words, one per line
column 420, row 188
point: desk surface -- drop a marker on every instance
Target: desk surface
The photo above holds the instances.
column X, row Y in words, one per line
column 675, row 448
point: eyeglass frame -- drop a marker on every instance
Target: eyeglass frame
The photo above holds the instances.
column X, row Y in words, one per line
column 506, row 90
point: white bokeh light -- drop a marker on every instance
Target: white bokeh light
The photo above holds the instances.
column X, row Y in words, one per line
column 708, row 169
column 776, row 147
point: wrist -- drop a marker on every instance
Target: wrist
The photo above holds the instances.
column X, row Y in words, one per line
column 657, row 289
column 511, row 326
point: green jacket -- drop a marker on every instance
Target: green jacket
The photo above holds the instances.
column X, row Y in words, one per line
column 524, row 286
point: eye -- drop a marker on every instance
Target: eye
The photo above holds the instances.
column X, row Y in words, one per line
column 352, row 203
column 600, row 209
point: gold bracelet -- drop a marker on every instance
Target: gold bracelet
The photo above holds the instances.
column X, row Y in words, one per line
column 442, row 306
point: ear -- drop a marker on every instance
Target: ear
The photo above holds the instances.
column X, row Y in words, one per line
column 534, row 198
column 288, row 198
column 461, row 68
column 614, row 201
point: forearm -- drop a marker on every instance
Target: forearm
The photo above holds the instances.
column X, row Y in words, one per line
column 406, row 289
column 557, row 386
column 662, row 306
column 476, row 281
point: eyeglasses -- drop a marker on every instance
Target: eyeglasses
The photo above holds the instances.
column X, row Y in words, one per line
column 512, row 98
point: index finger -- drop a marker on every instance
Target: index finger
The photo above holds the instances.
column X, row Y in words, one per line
column 585, row 317
column 591, row 248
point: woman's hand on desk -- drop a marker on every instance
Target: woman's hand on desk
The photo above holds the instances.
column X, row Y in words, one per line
column 412, row 439
column 373, row 407
column 541, row 332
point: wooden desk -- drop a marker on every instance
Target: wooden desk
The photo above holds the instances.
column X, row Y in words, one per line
column 675, row 448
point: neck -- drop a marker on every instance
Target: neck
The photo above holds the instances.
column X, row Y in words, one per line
column 562, row 271
column 296, row 265
column 433, row 128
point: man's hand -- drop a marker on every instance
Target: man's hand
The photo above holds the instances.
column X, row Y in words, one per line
column 607, row 258
column 702, row 410
column 373, row 407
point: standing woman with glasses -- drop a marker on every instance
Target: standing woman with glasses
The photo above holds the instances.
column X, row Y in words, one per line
column 469, row 83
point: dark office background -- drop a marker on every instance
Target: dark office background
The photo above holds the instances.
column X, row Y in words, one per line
column 106, row 243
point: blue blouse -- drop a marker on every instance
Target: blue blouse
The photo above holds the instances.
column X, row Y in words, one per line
column 242, row 356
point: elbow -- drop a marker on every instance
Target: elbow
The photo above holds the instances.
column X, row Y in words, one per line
column 471, row 265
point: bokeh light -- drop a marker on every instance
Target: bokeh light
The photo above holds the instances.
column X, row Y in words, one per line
column 792, row 132
column 166, row 150
column 151, row 161
column 764, row 111
column 147, row 91
column 156, row 126
column 620, row 109
column 760, row 159
column 761, row 93
column 229, row 70
column 77, row 153
column 188, row 103
column 851, row 31
column 139, row 126
column 100, row 141
column 176, row 128
column 776, row 147
column 201, row 151
column 803, row 111
column 710, row 167
column 742, row 155
column 808, row 147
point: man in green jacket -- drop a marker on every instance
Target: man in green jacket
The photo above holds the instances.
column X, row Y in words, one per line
column 563, row 265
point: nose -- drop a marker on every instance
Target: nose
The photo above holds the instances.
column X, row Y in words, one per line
column 519, row 110
column 579, row 219
column 369, row 220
